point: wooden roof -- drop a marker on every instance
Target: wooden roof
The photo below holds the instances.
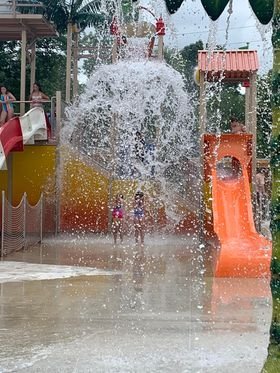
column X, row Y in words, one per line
column 232, row 65
column 11, row 26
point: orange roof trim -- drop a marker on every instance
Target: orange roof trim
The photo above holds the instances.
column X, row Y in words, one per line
column 233, row 65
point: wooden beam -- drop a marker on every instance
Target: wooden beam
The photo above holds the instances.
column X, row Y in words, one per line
column 247, row 109
column 202, row 129
column 75, row 64
column 115, row 51
column 253, row 112
column 68, row 63
column 160, row 47
column 23, row 71
column 33, row 65
column 58, row 160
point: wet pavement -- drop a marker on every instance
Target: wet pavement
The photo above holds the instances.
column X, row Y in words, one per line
column 86, row 306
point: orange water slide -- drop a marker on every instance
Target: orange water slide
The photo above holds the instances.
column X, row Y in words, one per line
column 243, row 251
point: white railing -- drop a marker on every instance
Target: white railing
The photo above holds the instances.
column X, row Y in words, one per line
column 21, row 226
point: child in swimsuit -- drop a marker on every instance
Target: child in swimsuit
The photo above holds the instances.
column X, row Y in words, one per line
column 118, row 215
column 6, row 99
column 139, row 214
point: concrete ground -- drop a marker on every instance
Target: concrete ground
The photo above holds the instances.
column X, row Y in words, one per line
column 79, row 304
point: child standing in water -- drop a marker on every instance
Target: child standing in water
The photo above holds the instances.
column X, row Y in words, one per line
column 139, row 215
column 118, row 215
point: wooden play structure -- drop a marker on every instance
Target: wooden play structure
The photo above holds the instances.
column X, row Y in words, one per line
column 228, row 200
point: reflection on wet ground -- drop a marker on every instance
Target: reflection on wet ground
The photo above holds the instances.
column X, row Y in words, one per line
column 153, row 309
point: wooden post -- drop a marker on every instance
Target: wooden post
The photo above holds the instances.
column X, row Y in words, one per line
column 160, row 47
column 202, row 104
column 247, row 109
column 68, row 63
column 10, row 177
column 33, row 66
column 23, row 70
column 202, row 128
column 115, row 51
column 58, row 114
column 253, row 110
column 75, row 64
column 113, row 161
column 58, row 163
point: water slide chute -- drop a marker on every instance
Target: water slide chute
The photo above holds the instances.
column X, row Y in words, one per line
column 243, row 252
column 22, row 130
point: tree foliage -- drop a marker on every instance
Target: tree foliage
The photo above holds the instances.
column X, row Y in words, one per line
column 83, row 13
column 50, row 65
column 264, row 115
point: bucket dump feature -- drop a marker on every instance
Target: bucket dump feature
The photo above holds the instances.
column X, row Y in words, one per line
column 228, row 162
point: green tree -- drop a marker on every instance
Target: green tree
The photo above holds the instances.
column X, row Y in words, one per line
column 73, row 15
column 185, row 61
column 224, row 101
column 10, row 66
column 264, row 116
column 50, row 62
column 102, row 53
column 82, row 13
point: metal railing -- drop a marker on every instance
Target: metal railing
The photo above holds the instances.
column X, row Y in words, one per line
column 21, row 226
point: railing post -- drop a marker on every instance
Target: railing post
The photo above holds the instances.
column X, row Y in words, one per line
column 202, row 128
column 23, row 70
column 3, row 225
column 53, row 127
column 58, row 165
column 24, row 219
column 41, row 218
column 14, row 7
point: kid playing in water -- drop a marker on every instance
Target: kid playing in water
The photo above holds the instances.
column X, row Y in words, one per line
column 139, row 214
column 118, row 215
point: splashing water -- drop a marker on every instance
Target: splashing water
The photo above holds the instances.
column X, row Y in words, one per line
column 135, row 95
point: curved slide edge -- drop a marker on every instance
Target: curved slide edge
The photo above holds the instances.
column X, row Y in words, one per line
column 22, row 130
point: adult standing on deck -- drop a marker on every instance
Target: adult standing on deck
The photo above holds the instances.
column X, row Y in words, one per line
column 37, row 97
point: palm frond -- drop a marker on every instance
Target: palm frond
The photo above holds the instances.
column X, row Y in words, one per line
column 93, row 6
column 83, row 12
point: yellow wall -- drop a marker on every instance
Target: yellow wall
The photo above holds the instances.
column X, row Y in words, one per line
column 3, row 181
column 34, row 172
column 84, row 198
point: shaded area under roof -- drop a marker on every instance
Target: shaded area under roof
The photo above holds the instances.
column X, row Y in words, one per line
column 233, row 65
column 36, row 26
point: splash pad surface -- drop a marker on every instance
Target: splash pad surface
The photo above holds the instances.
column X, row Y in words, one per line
column 160, row 310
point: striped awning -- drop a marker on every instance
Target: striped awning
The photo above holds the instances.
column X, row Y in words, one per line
column 231, row 65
